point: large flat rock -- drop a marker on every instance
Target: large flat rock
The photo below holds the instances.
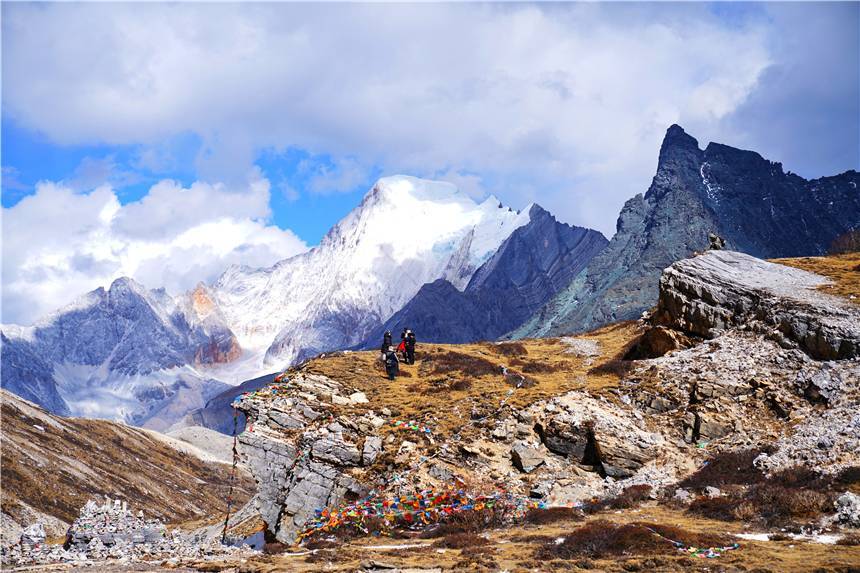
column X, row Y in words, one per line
column 714, row 291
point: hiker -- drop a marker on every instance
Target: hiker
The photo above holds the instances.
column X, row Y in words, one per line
column 717, row 243
column 410, row 346
column 386, row 342
column 401, row 348
column 392, row 365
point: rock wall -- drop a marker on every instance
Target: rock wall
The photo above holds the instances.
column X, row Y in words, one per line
column 709, row 293
column 302, row 445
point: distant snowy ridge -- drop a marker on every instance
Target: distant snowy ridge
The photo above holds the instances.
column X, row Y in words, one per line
column 405, row 233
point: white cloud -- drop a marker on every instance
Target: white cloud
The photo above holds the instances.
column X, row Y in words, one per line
column 58, row 243
column 571, row 100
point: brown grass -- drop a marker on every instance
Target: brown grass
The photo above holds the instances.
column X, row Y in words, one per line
column 439, row 399
column 601, row 538
column 843, row 270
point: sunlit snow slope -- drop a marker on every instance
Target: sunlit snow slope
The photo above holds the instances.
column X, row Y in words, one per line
column 406, row 232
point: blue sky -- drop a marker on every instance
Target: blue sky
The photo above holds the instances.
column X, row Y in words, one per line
column 272, row 120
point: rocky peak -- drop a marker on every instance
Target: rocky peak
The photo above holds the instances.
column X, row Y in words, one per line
column 677, row 143
column 749, row 201
column 202, row 301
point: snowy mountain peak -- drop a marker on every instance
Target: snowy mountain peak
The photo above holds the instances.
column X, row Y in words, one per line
column 406, row 232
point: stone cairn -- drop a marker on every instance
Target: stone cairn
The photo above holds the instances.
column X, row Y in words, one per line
column 112, row 531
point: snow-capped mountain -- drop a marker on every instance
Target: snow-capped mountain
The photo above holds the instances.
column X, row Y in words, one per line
column 405, row 233
column 126, row 353
column 147, row 358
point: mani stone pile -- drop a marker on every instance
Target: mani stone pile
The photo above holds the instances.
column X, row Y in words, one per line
column 112, row 531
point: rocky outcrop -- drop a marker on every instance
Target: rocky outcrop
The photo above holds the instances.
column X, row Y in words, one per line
column 710, row 293
column 750, row 201
column 722, row 381
column 530, row 266
column 594, row 433
column 302, row 451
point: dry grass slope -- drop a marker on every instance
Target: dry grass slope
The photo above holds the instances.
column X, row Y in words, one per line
column 450, row 382
column 55, row 464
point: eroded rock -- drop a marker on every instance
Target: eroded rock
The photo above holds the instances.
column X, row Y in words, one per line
column 717, row 290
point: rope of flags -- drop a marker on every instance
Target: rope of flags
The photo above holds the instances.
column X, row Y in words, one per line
column 420, row 509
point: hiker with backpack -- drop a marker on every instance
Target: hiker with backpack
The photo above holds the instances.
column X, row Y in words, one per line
column 392, row 365
column 386, row 342
column 401, row 348
column 410, row 346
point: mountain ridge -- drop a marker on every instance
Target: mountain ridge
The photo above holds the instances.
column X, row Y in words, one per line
column 749, row 201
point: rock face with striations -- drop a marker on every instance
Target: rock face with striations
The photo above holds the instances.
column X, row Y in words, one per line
column 709, row 293
column 530, row 266
column 750, row 201
column 301, row 454
column 125, row 352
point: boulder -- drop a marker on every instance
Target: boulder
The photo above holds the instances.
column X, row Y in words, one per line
column 848, row 509
column 372, row 449
column 33, row 535
column 526, row 458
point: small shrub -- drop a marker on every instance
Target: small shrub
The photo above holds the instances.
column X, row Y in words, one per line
column 849, row 476
column 404, row 373
column 629, row 498
column 539, row 368
column 722, row 508
column 734, row 467
column 461, row 385
column 552, row 515
column 466, row 522
column 450, row 361
column 617, row 367
column 849, row 539
column 602, row 538
column 777, row 504
column 509, row 349
column 770, row 503
column 799, row 477
column 687, row 537
column 460, row 541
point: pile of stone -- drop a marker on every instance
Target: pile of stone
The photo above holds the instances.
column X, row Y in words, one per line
column 110, row 530
column 112, row 524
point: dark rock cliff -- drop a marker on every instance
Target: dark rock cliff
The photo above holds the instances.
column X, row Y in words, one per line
column 534, row 263
column 750, row 201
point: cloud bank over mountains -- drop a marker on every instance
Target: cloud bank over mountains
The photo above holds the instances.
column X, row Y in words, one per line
column 58, row 243
column 560, row 103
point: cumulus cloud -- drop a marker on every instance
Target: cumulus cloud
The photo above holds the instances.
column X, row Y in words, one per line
column 58, row 243
column 571, row 100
